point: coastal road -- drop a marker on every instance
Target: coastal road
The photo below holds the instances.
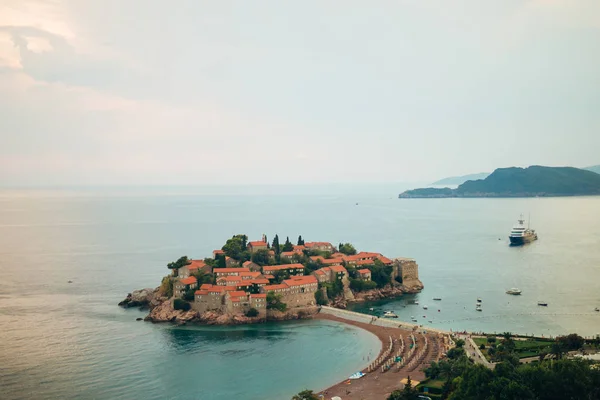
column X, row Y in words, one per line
column 474, row 353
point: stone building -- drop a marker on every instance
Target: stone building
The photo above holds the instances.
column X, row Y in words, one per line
column 293, row 269
column 182, row 285
column 193, row 267
column 251, row 266
column 320, row 246
column 258, row 245
column 408, row 270
column 364, row 274
column 298, row 291
column 219, row 272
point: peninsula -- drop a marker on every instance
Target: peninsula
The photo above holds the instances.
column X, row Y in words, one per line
column 534, row 181
column 254, row 281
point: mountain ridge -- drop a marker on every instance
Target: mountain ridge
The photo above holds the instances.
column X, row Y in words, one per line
column 533, row 181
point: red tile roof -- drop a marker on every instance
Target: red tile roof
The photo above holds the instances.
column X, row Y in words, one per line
column 268, row 276
column 218, row 252
column 206, row 286
column 385, row 260
column 288, row 253
column 364, row 262
column 258, row 296
column 196, row 264
column 299, row 247
column 319, row 272
column 250, row 274
column 270, row 268
column 364, row 271
column 229, row 270
column 258, row 243
column 237, row 293
column 189, row 281
column 201, row 292
column 338, row 268
column 300, row 280
column 247, row 263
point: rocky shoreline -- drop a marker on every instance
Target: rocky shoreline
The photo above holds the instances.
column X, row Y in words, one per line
column 161, row 307
column 161, row 310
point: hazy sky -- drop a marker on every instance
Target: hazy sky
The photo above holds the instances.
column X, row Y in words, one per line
column 193, row 92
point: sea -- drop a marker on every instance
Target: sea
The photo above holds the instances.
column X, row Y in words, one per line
column 69, row 255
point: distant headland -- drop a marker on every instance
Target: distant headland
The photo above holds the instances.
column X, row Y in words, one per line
column 254, row 281
column 534, row 181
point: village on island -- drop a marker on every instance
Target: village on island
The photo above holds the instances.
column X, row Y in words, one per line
column 250, row 281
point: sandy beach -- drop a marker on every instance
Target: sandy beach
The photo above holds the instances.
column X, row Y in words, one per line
column 378, row 384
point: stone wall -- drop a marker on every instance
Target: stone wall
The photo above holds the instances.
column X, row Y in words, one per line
column 299, row 299
column 408, row 270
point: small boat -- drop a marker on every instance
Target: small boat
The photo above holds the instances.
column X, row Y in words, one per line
column 430, row 321
column 417, row 302
column 424, row 307
column 437, row 298
column 357, row 375
column 596, row 309
column 542, row 303
column 371, row 309
column 514, row 291
column 390, row 314
column 478, row 308
column 479, row 299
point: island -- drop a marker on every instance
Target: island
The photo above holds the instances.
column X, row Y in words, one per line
column 458, row 180
column 534, row 181
column 256, row 281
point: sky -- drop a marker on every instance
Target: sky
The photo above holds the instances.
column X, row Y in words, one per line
column 193, row 92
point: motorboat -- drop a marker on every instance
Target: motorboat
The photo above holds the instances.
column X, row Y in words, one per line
column 542, row 303
column 514, row 291
column 424, row 307
column 478, row 308
column 371, row 309
column 437, row 299
column 417, row 302
column 479, row 300
column 596, row 309
column 390, row 314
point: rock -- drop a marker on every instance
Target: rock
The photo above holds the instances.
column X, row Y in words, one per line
column 378, row 294
column 144, row 298
column 292, row 314
column 166, row 313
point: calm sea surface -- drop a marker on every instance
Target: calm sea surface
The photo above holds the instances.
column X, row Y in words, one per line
column 61, row 340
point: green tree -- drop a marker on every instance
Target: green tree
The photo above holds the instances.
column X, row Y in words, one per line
column 275, row 245
column 571, row 342
column 459, row 343
column 251, row 313
column 300, row 241
column 320, row 298
column 347, row 248
column 305, row 395
column 166, row 286
column 188, row 295
column 261, row 257
column 381, row 274
column 274, row 302
column 235, row 246
column 407, row 393
column 179, row 304
column 203, row 277
column 221, row 261
column 280, row 276
column 181, row 261
column 288, row 246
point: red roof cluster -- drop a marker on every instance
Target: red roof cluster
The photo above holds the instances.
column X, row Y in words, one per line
column 300, row 280
column 189, row 281
column 258, row 243
column 229, row 270
column 272, row 268
column 364, row 271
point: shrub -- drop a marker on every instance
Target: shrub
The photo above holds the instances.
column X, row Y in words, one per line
column 320, row 298
column 251, row 313
column 482, row 346
column 179, row 304
column 166, row 286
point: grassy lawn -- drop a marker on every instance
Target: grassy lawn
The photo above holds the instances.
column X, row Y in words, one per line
column 434, row 385
column 523, row 348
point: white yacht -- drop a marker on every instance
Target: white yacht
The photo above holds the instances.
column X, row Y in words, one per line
column 514, row 291
column 520, row 234
column 424, row 307
column 390, row 314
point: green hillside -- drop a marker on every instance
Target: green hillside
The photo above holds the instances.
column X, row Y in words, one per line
column 521, row 182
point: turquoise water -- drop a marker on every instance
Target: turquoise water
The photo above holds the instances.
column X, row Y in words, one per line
column 61, row 340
